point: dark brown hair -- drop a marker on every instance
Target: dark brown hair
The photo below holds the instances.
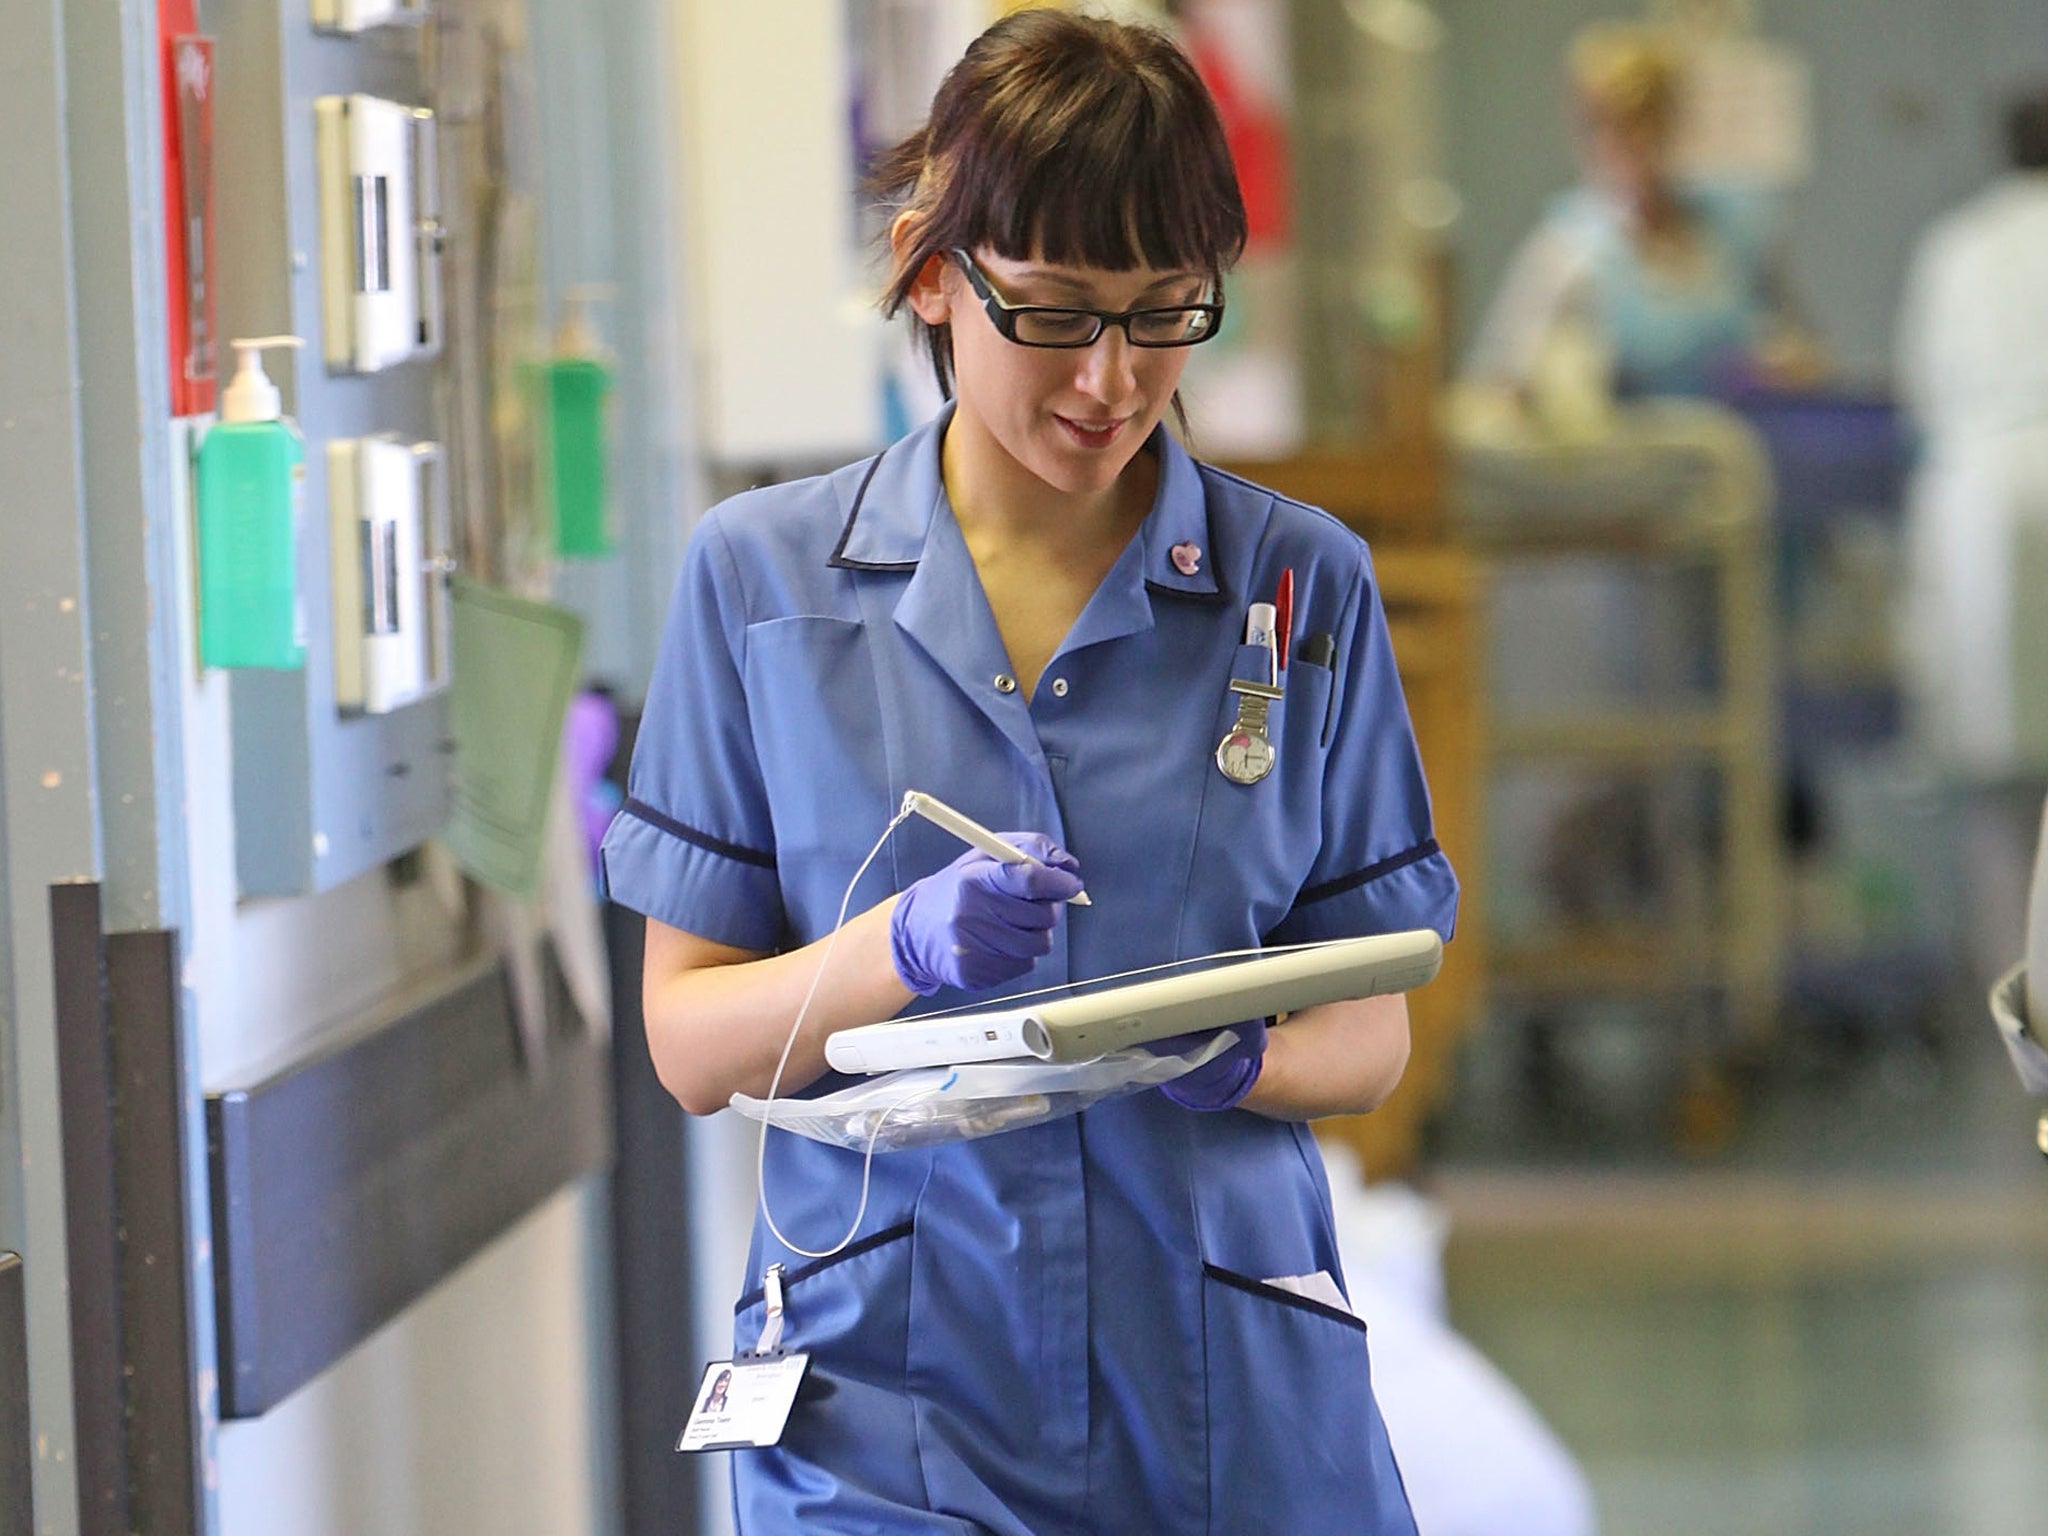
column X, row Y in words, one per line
column 1064, row 138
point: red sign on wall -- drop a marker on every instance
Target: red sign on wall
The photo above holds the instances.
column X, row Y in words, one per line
column 188, row 207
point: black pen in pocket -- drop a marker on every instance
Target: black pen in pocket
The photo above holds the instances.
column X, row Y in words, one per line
column 1320, row 650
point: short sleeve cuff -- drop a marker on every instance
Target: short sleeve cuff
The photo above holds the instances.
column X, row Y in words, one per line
column 690, row 880
column 1412, row 889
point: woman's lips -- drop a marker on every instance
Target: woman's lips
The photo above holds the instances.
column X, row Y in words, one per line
column 1093, row 434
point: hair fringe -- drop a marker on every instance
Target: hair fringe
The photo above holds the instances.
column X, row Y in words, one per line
column 1072, row 138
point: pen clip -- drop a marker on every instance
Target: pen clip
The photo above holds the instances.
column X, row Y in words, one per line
column 1283, row 619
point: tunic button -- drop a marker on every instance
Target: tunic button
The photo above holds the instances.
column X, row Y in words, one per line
column 1005, row 683
column 1059, row 687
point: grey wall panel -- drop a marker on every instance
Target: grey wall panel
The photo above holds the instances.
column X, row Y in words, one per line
column 10, row 1128
column 51, row 831
column 113, row 120
column 17, row 1494
column 135, row 1385
column 346, row 1187
column 92, row 1211
column 114, row 115
column 165, row 1411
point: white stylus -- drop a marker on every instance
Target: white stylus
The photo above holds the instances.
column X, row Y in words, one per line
column 973, row 833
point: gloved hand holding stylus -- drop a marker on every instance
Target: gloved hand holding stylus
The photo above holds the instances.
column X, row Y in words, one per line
column 980, row 922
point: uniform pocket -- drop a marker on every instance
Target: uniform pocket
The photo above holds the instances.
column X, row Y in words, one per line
column 1255, row 843
column 829, row 1300
column 1309, row 687
column 851, row 1314
column 1296, row 1444
column 812, row 708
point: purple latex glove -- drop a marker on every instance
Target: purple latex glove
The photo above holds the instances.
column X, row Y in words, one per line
column 979, row 922
column 1223, row 1081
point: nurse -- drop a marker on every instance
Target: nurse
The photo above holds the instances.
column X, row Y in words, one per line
column 1033, row 608
column 1677, row 281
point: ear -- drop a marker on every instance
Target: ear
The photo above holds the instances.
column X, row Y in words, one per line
column 928, row 296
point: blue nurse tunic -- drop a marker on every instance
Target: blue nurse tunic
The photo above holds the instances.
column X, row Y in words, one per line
column 1064, row 1328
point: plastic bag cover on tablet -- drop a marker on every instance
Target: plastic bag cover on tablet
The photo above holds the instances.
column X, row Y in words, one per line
column 928, row 1105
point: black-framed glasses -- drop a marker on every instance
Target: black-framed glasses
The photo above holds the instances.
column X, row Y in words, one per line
column 1046, row 325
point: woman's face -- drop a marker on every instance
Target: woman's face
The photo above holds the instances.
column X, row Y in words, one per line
column 1074, row 417
column 1625, row 156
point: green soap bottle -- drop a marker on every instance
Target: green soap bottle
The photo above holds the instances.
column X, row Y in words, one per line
column 252, row 501
column 576, row 387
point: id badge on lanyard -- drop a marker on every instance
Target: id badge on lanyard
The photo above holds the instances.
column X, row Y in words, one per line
column 744, row 1403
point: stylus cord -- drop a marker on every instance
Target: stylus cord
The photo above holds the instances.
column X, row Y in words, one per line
column 867, row 1166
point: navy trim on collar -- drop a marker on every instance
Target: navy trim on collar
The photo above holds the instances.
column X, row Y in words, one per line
column 1217, row 592
column 1161, row 589
column 897, row 526
column 839, row 559
column 1182, row 513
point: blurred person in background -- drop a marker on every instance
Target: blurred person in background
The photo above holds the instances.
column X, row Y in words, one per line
column 1637, row 282
column 1646, row 283
column 1973, row 376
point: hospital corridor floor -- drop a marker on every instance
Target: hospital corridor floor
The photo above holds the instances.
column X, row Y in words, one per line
column 1838, row 1326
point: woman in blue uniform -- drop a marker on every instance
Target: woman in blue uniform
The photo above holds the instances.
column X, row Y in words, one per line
column 1033, row 608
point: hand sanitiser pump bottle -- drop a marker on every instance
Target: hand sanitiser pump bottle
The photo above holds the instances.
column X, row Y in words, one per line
column 576, row 431
column 252, row 481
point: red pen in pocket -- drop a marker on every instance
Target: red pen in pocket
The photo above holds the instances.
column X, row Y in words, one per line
column 1283, row 614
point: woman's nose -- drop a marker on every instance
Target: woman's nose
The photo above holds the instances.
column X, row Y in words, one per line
column 1108, row 370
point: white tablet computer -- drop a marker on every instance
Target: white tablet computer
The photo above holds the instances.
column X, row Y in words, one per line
column 1079, row 1024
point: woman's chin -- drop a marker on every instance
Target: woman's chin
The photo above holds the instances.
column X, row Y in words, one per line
column 1082, row 471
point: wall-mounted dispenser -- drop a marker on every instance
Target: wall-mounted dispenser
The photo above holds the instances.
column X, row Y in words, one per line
column 252, row 487
column 361, row 15
column 380, row 232
column 574, row 414
column 388, row 539
column 324, row 795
